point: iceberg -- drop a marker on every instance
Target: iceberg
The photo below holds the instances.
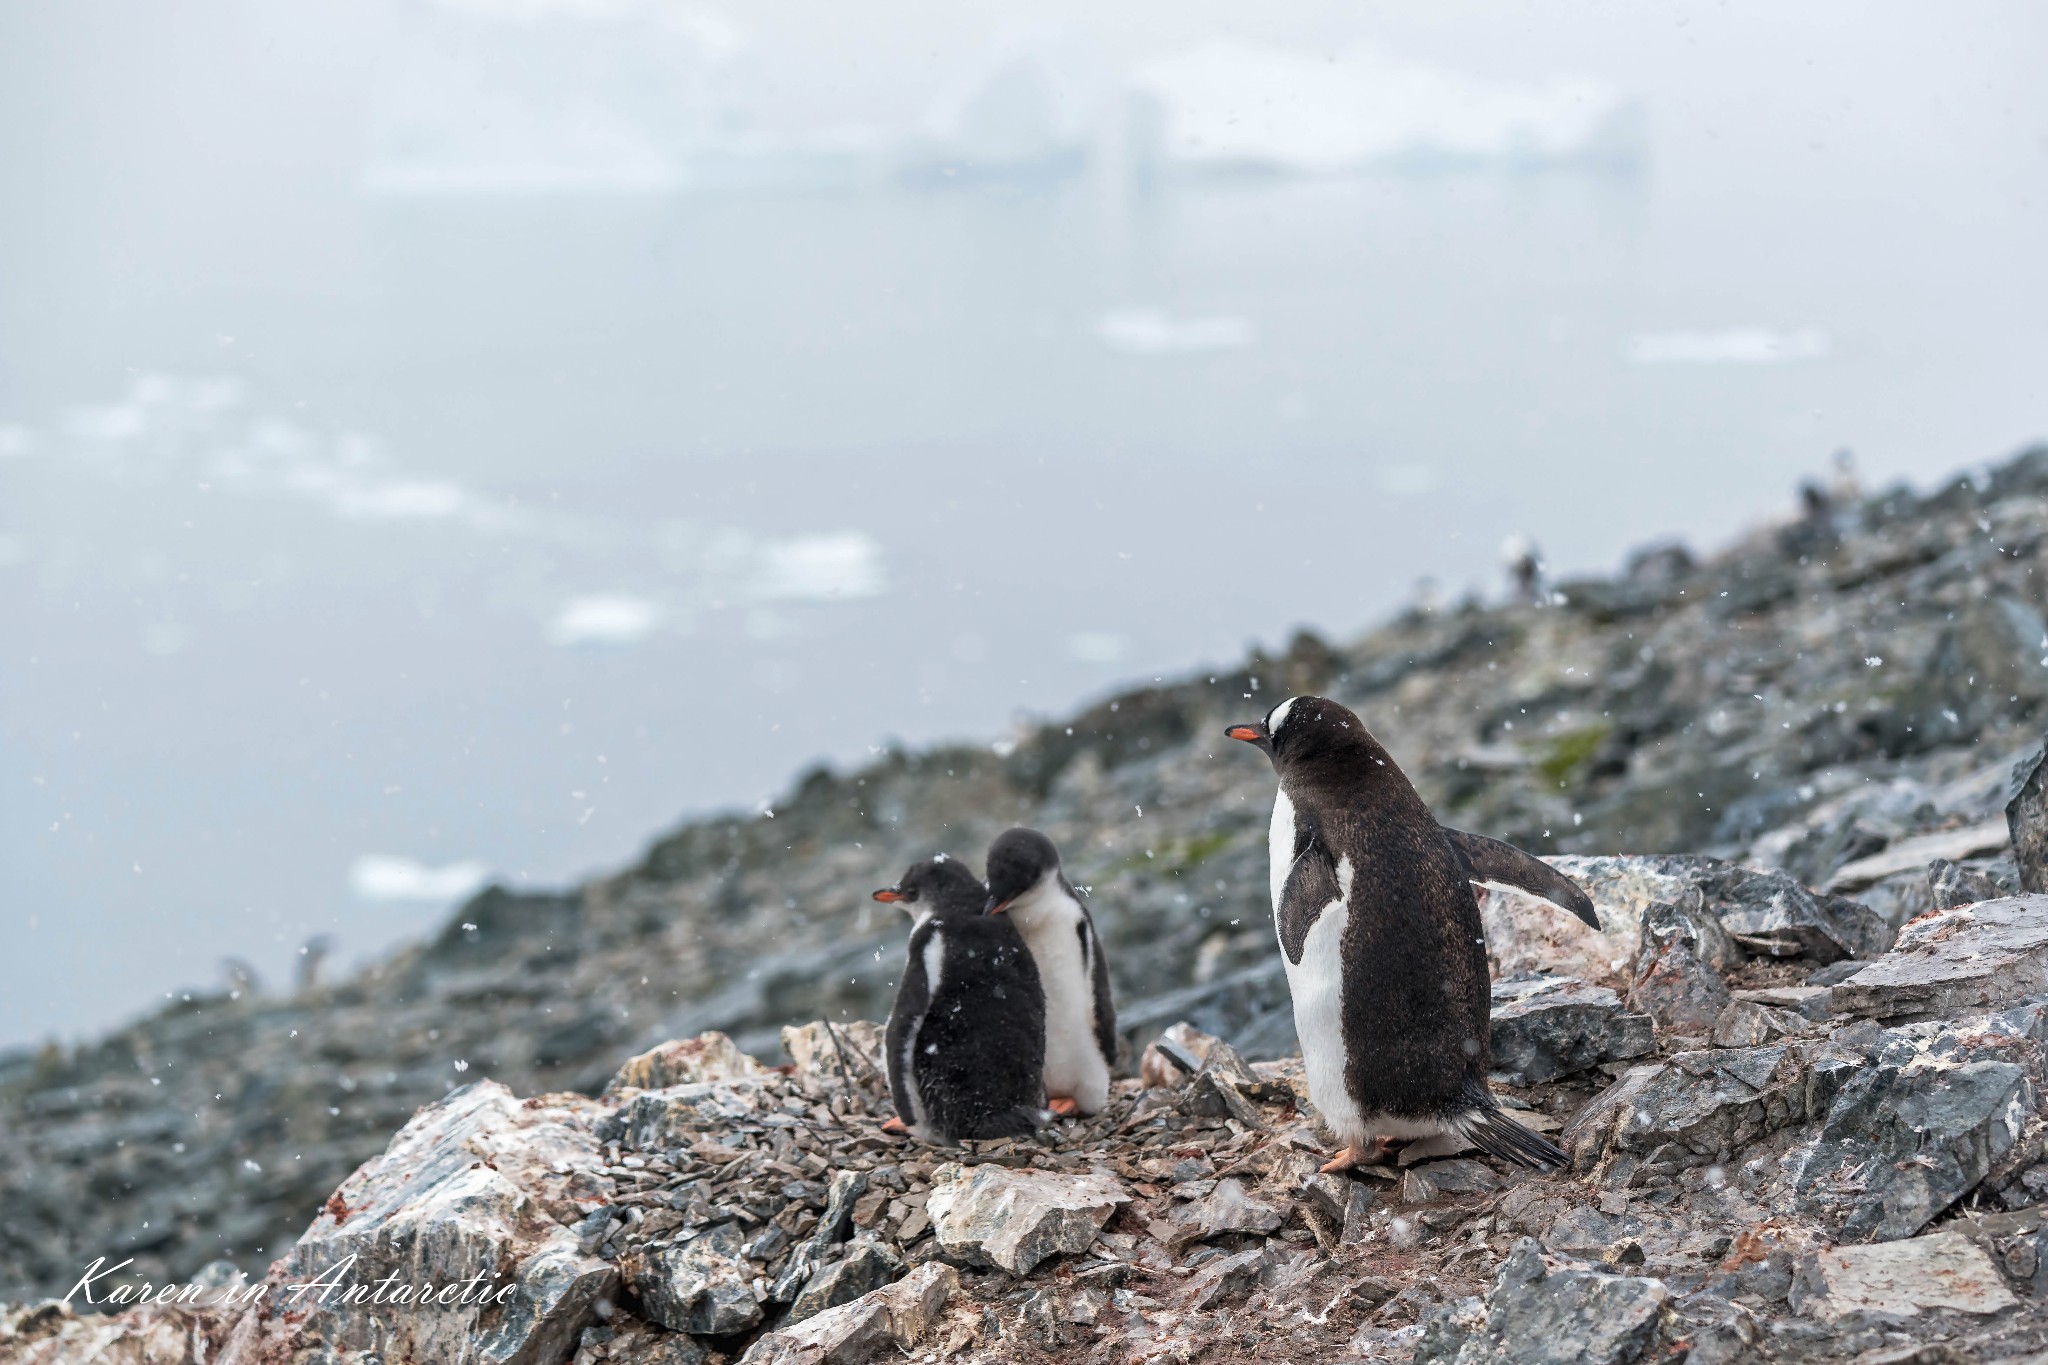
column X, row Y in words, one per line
column 1226, row 106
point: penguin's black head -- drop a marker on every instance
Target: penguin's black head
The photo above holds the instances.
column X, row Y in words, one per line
column 1018, row 860
column 1303, row 728
column 937, row 886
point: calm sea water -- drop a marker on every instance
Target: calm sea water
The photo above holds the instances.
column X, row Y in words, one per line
column 353, row 547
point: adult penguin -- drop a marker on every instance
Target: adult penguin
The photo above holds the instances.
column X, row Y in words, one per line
column 1385, row 953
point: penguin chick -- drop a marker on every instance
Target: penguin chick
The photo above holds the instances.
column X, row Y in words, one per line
column 1384, row 951
column 966, row 1037
column 1026, row 884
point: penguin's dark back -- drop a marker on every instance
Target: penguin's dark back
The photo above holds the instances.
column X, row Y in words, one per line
column 981, row 1048
column 1417, row 992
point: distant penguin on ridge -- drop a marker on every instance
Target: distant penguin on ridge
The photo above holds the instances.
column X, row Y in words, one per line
column 1026, row 884
column 966, row 1037
column 1384, row 950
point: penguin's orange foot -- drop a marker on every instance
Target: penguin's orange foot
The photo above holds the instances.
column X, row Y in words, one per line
column 1351, row 1157
column 892, row 1124
column 1064, row 1106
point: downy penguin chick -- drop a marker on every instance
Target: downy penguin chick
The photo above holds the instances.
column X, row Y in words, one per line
column 1384, row 950
column 966, row 1037
column 1026, row 884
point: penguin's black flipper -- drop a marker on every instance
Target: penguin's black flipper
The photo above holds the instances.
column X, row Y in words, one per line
column 1490, row 860
column 1495, row 1134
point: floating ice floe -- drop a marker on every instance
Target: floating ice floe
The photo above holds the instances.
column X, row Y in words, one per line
column 388, row 877
column 606, row 619
column 1731, row 346
column 1149, row 331
column 1230, row 106
column 820, row 568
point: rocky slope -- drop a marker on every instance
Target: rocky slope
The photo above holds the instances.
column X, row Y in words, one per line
column 1842, row 698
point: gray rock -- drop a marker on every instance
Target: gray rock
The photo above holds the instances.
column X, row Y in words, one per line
column 2026, row 815
column 865, row 1266
column 1950, row 886
column 1540, row 1314
column 1227, row 1208
column 1674, row 982
column 1993, row 953
column 1917, row 1126
column 1909, row 855
column 1811, row 1002
column 625, row 1341
column 993, row 1215
column 1695, row 1106
column 883, row 1324
column 1835, row 973
column 703, row 1286
column 1550, row 1026
column 1225, row 1280
column 1434, row 1180
column 1749, row 1023
column 1943, row 1270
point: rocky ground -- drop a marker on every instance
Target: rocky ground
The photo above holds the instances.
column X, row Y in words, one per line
column 1836, row 703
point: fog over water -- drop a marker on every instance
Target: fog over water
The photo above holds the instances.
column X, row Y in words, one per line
column 452, row 440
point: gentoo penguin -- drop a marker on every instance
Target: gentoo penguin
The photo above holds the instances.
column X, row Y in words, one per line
column 966, row 1038
column 1025, row 882
column 1385, row 953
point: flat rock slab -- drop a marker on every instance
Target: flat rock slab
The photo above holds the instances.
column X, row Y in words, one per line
column 1993, row 953
column 1015, row 1219
column 1705, row 1104
column 1550, row 1026
column 1940, row 1270
column 1227, row 1208
column 1913, row 855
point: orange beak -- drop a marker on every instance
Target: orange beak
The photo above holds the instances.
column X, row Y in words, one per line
column 998, row 909
column 1243, row 732
column 889, row 894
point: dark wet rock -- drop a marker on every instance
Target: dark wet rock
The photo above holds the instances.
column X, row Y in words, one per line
column 1545, row 1027
column 1696, row 1106
column 2026, row 816
column 1992, row 953
column 1540, row 1314
column 702, row 1286
column 1931, row 1112
column 1674, row 982
column 864, row 1266
column 1949, row 885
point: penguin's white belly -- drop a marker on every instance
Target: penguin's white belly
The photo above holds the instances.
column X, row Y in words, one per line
column 1317, row 985
column 1073, row 1063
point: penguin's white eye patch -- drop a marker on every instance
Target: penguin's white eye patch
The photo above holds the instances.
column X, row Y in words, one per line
column 1278, row 716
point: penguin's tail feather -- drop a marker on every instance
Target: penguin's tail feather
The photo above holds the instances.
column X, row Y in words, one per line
column 1495, row 1134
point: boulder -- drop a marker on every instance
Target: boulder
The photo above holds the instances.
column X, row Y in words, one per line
column 1434, row 1180
column 992, row 1215
column 481, row 1186
column 703, row 1286
column 1943, row 1270
column 1926, row 1116
column 882, row 1324
column 1542, row 1313
column 1550, row 1026
column 1993, row 953
column 1949, row 886
column 1750, row 1023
